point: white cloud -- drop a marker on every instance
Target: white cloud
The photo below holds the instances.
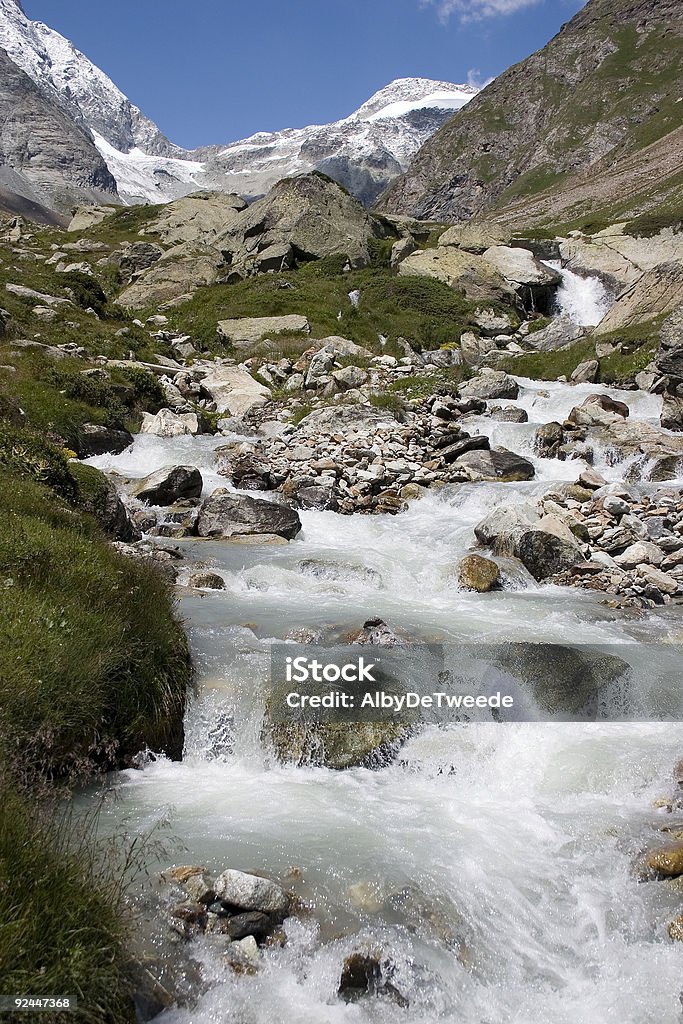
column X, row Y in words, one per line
column 475, row 10
column 475, row 80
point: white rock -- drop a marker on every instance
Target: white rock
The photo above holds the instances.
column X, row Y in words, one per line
column 250, row 892
column 169, row 424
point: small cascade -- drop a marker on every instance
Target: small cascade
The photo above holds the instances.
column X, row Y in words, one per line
column 585, row 300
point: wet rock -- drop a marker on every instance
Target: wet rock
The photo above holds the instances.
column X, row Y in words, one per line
column 548, row 440
column 243, row 955
column 508, row 414
column 206, row 581
column 503, row 528
column 675, row 929
column 548, row 548
column 560, row 332
column 94, row 439
column 226, row 515
column 608, row 404
column 666, row 862
column 251, row 892
column 199, row 887
column 496, row 464
column 465, row 444
column 168, row 485
column 367, row 974
column 254, row 923
column 478, row 574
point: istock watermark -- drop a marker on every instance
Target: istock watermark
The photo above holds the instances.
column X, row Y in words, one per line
column 495, row 682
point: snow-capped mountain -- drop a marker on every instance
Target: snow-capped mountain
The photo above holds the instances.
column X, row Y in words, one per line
column 364, row 151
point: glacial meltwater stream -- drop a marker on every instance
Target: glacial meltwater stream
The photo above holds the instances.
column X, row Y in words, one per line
column 492, row 864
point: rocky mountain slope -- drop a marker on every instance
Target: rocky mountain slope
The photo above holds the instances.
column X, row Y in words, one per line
column 567, row 132
column 47, row 160
column 364, row 151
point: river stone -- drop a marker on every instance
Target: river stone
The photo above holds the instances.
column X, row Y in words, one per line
column 496, row 464
column 503, row 528
column 549, row 547
column 94, row 439
column 167, row 423
column 495, row 384
column 235, row 515
column 642, row 552
column 656, row 578
column 233, row 390
column 667, row 861
column 251, row 892
column 345, row 419
column 478, row 573
column 206, row 581
column 336, row 745
column 548, row 440
column 168, row 485
column 252, row 922
column 508, row 414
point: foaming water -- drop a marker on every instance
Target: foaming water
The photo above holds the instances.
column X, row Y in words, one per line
column 585, row 300
column 499, row 858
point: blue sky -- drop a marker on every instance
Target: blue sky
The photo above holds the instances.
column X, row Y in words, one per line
column 213, row 71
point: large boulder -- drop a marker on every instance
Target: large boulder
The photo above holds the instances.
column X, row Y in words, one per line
column 549, row 547
column 97, row 495
column 168, row 485
column 658, row 291
column 346, row 419
column 560, row 332
column 200, row 218
column 469, row 274
column 312, row 214
column 95, row 439
column 532, row 280
column 492, row 385
column 177, row 275
column 167, row 423
column 134, row 258
column 224, row 516
column 247, row 331
column 233, row 390
column 503, row 528
column 86, row 217
column 497, row 464
column 478, row 574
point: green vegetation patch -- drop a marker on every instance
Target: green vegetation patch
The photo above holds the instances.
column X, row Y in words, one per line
column 93, row 665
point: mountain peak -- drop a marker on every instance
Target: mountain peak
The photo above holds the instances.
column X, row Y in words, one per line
column 406, row 94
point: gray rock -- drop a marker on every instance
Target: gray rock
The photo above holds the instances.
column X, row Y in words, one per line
column 350, row 377
column 656, row 578
column 508, row 414
column 586, row 372
column 168, row 485
column 245, row 332
column 503, row 528
column 206, row 581
column 548, row 440
column 642, row 552
column 167, row 423
column 94, row 439
column 496, row 464
column 562, row 331
column 251, row 892
column 234, row 515
column 494, row 384
column 548, row 548
column 233, row 390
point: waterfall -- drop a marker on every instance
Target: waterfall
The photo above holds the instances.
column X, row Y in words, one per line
column 585, row 300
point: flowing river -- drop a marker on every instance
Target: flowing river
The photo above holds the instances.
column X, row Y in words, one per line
column 493, row 864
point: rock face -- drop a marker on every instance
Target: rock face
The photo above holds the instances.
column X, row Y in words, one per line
column 176, row 275
column 45, row 157
column 553, row 126
column 658, row 291
column 169, row 485
column 232, row 515
column 197, row 219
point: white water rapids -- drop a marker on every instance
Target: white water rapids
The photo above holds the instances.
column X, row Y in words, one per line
column 514, row 842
